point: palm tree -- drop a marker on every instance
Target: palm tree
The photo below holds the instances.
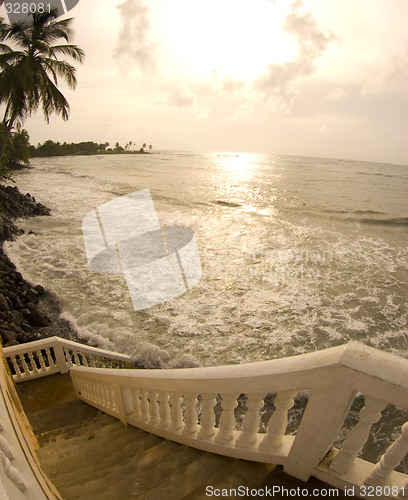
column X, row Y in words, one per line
column 30, row 69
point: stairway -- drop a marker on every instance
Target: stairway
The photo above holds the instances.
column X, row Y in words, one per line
column 89, row 455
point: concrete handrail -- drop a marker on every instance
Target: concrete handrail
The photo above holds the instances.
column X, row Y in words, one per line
column 57, row 355
column 164, row 402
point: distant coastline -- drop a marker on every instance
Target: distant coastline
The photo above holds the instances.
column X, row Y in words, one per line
column 50, row 148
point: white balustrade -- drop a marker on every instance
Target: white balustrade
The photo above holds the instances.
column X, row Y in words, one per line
column 144, row 406
column 390, row 460
column 153, row 407
column 227, row 420
column 357, row 438
column 176, row 413
column 252, row 419
column 53, row 355
column 164, row 409
column 164, row 402
column 190, row 414
column 5, row 448
column 279, row 421
column 207, row 421
column 12, row 473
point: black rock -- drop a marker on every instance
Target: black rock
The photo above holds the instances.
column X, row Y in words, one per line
column 40, row 290
column 32, row 296
column 11, row 343
column 4, row 306
column 37, row 318
column 27, row 328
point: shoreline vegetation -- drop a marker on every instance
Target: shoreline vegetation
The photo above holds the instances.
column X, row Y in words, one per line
column 50, row 148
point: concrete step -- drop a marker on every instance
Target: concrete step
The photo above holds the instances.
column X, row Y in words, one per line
column 71, row 466
column 241, row 473
column 134, row 478
column 93, row 437
column 79, row 429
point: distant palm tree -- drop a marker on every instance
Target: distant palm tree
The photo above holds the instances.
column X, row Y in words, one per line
column 30, row 69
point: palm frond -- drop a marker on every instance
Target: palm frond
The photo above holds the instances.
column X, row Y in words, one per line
column 72, row 51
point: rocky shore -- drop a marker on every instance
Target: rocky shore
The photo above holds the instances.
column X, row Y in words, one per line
column 27, row 311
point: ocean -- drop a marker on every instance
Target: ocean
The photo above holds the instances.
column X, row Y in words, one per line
column 298, row 254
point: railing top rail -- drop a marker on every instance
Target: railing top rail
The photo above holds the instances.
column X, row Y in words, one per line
column 357, row 363
column 54, row 341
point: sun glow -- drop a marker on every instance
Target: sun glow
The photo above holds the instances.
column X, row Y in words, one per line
column 233, row 37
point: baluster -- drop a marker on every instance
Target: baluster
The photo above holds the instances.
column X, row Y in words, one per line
column 404, row 491
column 127, row 400
column 112, row 399
column 136, row 402
column 95, row 391
column 50, row 358
column 92, row 361
column 391, row 459
column 76, row 358
column 107, row 396
column 32, row 362
column 176, row 412
column 99, row 392
column 43, row 368
column 190, row 414
column 252, row 418
column 207, row 421
column 16, row 367
column 227, row 420
column 144, row 405
column 92, row 390
column 12, row 473
column 83, row 387
column 5, row 448
column 84, row 359
column 164, row 410
column 99, row 363
column 358, row 436
column 24, row 363
column 153, row 407
column 279, row 420
column 66, row 356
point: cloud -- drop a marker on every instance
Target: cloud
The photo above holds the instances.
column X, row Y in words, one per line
column 133, row 43
column 278, row 83
column 244, row 112
column 231, row 85
column 393, row 77
column 182, row 97
column 337, row 94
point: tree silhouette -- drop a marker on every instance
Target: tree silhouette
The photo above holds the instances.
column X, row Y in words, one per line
column 30, row 67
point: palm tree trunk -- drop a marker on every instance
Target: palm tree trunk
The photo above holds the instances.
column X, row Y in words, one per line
column 5, row 134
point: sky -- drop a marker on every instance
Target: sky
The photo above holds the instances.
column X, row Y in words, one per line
column 305, row 77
